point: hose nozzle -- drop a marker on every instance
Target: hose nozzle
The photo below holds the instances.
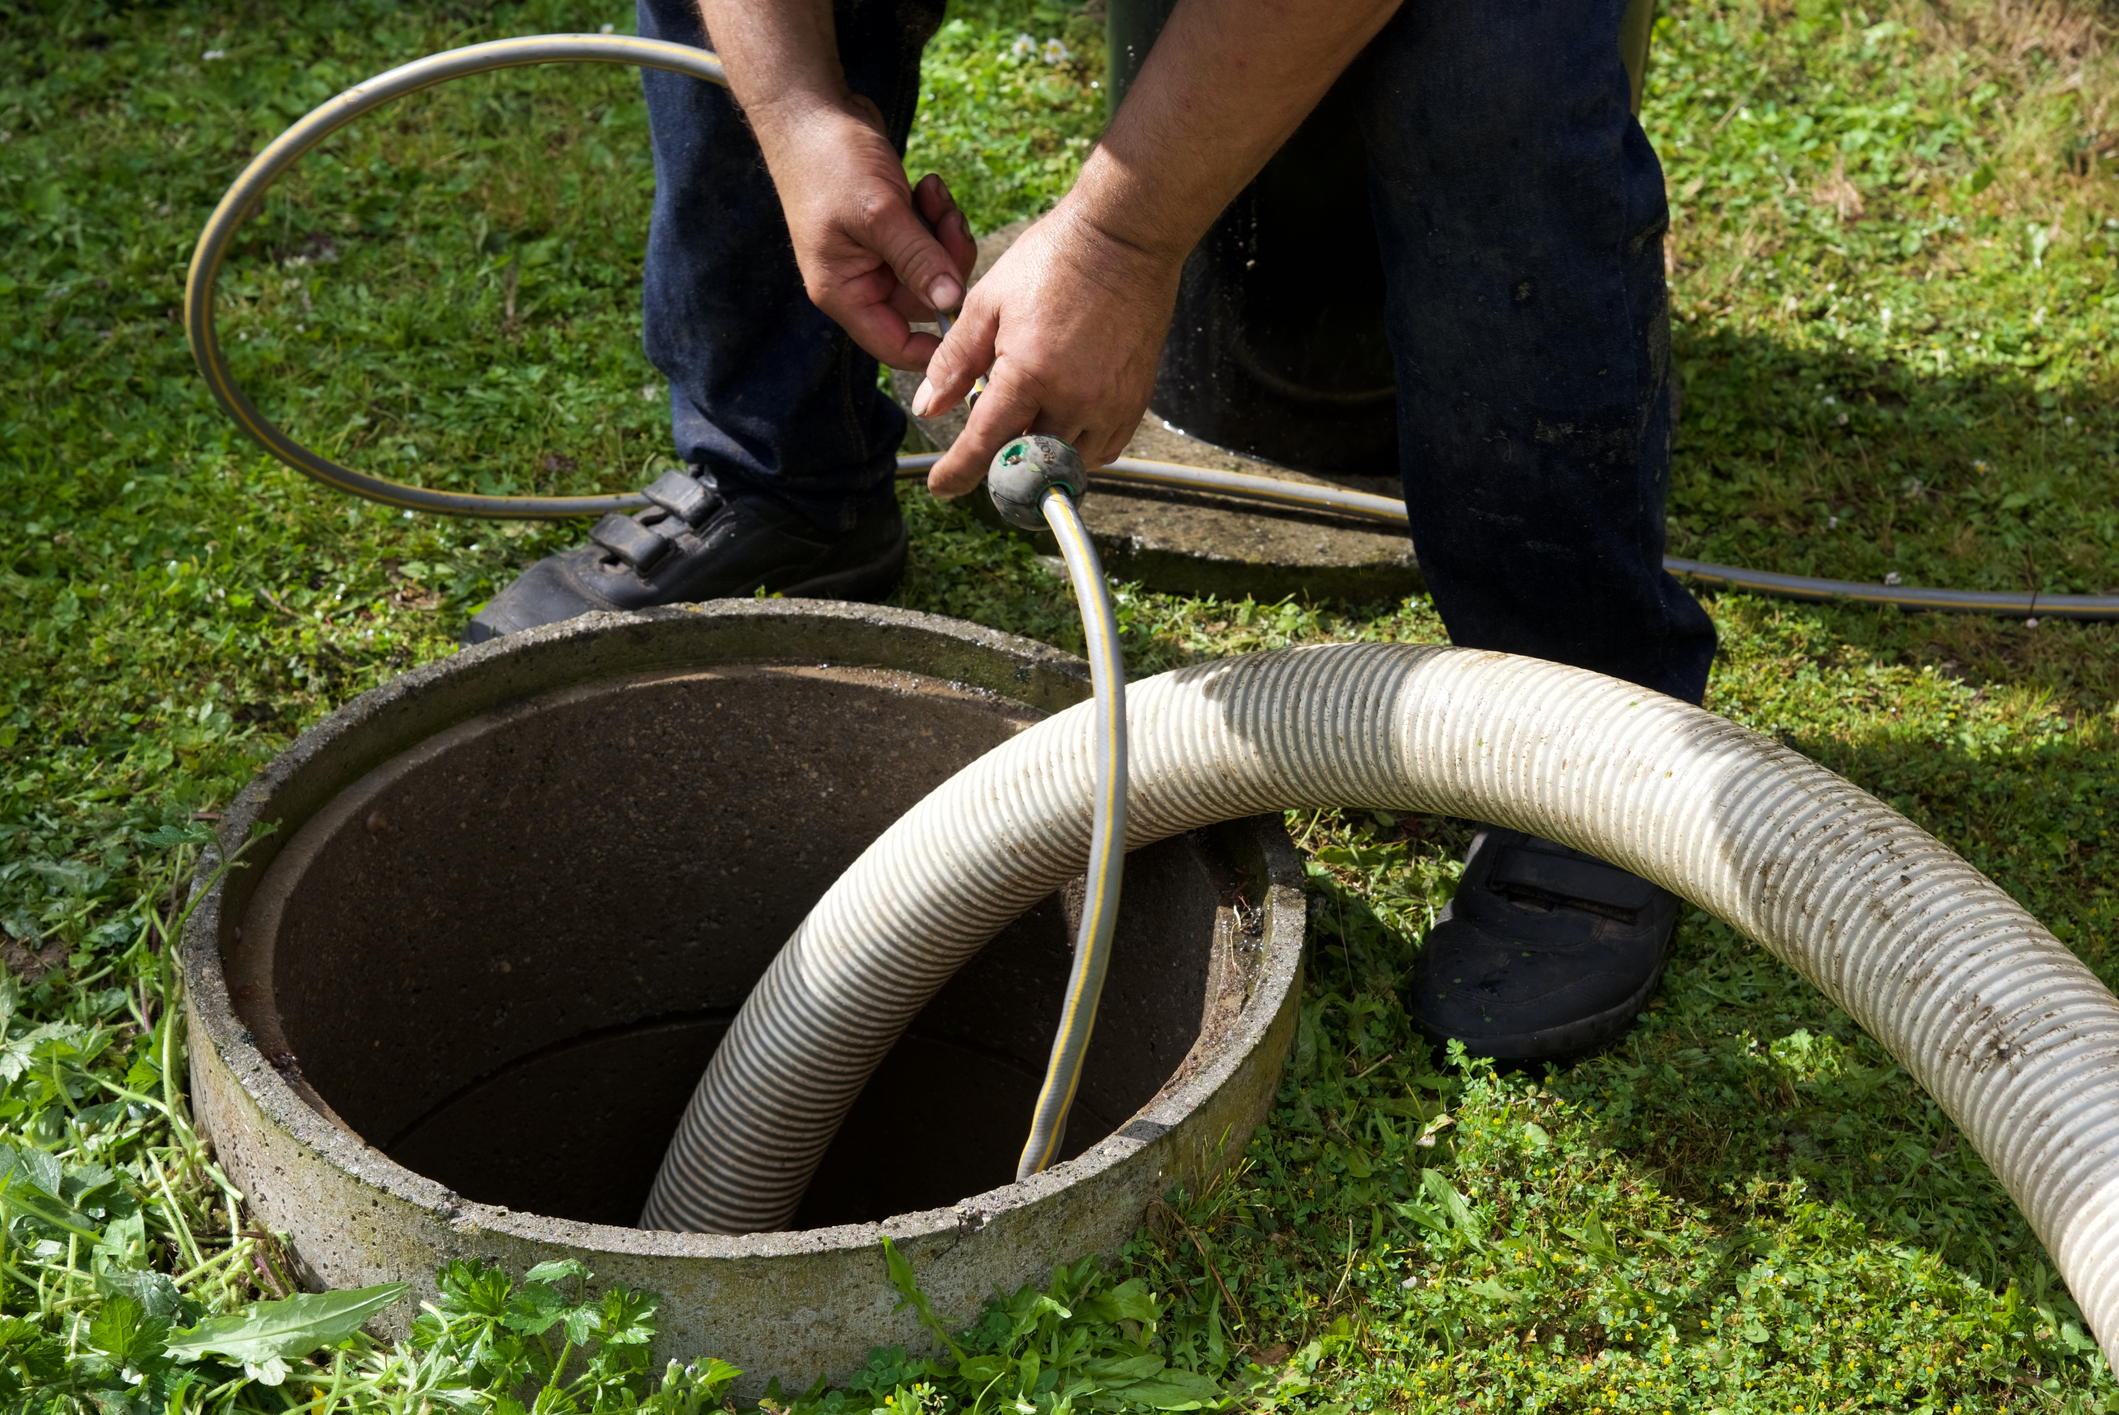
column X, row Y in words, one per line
column 1025, row 469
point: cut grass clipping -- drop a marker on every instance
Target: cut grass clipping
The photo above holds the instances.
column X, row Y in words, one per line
column 1895, row 266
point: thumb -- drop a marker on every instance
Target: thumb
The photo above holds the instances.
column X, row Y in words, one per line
column 964, row 355
column 919, row 261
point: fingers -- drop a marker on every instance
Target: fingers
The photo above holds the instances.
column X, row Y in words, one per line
column 1010, row 407
column 896, row 232
column 962, row 358
column 884, row 332
column 1006, row 410
column 1016, row 400
column 1067, row 330
column 949, row 224
column 1109, row 448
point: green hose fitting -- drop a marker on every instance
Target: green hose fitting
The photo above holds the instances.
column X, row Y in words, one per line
column 1025, row 469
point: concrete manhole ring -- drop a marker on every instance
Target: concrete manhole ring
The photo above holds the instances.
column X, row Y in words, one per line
column 452, row 1006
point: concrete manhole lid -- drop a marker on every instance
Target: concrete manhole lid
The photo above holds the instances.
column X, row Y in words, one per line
column 1198, row 545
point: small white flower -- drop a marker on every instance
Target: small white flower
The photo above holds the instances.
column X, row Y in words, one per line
column 408, row 515
column 1892, row 578
column 606, row 29
column 212, row 54
column 1831, row 523
column 1055, row 52
column 1024, row 46
column 2030, row 623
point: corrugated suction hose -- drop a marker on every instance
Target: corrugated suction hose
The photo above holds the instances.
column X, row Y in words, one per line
column 2012, row 1035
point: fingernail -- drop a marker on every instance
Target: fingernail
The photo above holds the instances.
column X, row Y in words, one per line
column 944, row 293
column 922, row 401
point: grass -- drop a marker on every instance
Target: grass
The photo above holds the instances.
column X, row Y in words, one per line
column 1745, row 1207
column 1896, row 263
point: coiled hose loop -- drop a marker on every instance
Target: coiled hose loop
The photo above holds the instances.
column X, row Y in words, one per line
column 2004, row 1027
column 242, row 201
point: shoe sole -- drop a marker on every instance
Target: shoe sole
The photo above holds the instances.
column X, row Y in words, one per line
column 864, row 583
column 1558, row 1046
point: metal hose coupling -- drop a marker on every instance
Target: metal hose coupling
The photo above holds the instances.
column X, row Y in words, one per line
column 1028, row 467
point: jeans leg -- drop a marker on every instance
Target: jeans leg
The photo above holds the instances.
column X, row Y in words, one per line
column 1521, row 212
column 766, row 392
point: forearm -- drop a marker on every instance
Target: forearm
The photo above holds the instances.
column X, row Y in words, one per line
column 1227, row 83
column 782, row 61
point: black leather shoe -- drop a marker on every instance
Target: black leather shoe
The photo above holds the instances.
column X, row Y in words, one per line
column 1545, row 954
column 694, row 543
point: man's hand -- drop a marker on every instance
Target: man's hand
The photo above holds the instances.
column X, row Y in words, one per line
column 867, row 258
column 1070, row 321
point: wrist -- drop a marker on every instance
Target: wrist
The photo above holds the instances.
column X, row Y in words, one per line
column 796, row 117
column 1121, row 248
column 1109, row 201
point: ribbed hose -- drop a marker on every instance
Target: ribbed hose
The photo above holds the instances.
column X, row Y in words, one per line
column 2010, row 1033
column 1107, row 836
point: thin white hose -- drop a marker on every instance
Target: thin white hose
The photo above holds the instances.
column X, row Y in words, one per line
column 2012, row 1035
column 1107, row 842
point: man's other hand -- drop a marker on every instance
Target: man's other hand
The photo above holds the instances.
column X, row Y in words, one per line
column 868, row 258
column 1070, row 322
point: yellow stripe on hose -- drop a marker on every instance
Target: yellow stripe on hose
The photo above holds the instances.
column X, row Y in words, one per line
column 1107, row 840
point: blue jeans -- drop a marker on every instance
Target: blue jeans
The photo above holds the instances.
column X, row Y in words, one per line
column 765, row 391
column 1519, row 211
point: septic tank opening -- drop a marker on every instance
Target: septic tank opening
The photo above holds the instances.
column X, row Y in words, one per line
column 504, row 956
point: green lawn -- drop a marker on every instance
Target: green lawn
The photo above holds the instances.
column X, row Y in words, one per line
column 1895, row 262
